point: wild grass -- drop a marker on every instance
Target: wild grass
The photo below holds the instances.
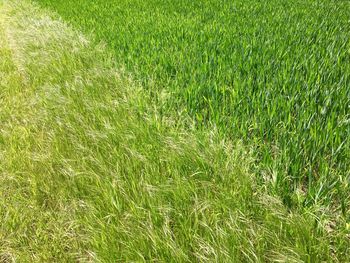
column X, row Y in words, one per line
column 92, row 171
column 273, row 73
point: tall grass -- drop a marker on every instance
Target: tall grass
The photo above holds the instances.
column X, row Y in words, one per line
column 90, row 171
column 274, row 73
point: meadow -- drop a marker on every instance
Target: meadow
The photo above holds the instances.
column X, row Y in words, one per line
column 174, row 131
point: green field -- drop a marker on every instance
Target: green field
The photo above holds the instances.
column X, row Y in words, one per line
column 274, row 73
column 174, row 131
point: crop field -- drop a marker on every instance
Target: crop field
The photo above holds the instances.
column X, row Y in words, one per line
column 174, row 131
column 274, row 73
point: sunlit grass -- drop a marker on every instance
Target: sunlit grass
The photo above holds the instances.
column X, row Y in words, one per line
column 274, row 73
column 91, row 171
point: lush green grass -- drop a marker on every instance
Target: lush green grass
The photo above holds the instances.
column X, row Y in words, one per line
column 274, row 73
column 91, row 171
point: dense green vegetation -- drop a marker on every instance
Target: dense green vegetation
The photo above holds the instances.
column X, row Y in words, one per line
column 274, row 73
column 172, row 143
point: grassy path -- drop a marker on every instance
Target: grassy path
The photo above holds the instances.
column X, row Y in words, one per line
column 90, row 172
column 37, row 223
